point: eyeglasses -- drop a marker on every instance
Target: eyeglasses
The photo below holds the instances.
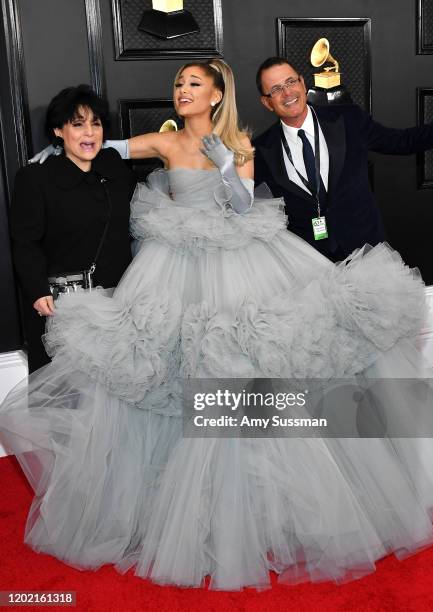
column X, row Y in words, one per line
column 277, row 90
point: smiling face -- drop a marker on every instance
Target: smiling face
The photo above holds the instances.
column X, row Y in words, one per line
column 82, row 137
column 291, row 103
column 194, row 92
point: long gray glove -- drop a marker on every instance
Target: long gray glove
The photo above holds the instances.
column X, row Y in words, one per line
column 45, row 153
column 121, row 147
column 241, row 199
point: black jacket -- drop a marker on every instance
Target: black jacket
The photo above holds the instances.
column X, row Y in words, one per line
column 353, row 218
column 57, row 218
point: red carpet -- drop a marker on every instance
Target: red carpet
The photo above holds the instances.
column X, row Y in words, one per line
column 396, row 586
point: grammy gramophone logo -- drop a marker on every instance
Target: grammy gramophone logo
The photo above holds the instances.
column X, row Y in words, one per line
column 169, row 126
column 168, row 19
column 320, row 55
column 327, row 84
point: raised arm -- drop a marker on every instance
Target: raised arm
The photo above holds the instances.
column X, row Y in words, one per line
column 148, row 145
column 155, row 144
column 393, row 141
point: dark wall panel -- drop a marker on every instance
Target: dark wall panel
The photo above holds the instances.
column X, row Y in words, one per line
column 149, row 78
column 14, row 137
column 10, row 332
column 55, row 50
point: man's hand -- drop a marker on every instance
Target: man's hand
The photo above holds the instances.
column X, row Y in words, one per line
column 44, row 306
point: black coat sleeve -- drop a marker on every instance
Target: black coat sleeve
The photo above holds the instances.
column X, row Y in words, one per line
column 392, row 141
column 27, row 220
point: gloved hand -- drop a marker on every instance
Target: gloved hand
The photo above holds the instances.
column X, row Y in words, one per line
column 240, row 198
column 121, row 146
column 217, row 152
column 45, row 153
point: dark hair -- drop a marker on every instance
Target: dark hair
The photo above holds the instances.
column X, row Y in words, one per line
column 268, row 63
column 64, row 107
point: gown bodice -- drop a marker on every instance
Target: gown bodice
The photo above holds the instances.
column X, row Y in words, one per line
column 193, row 186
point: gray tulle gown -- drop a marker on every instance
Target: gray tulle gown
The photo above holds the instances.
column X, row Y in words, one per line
column 212, row 293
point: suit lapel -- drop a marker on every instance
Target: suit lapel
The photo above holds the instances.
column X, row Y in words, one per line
column 335, row 136
column 273, row 154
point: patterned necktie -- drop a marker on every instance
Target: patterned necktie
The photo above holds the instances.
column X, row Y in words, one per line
column 309, row 161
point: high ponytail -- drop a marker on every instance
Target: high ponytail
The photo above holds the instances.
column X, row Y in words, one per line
column 224, row 115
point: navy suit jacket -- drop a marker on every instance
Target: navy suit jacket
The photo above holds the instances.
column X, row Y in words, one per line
column 353, row 218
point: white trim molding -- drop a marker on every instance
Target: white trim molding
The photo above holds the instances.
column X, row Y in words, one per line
column 13, row 369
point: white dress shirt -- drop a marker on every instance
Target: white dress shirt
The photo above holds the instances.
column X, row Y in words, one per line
column 295, row 145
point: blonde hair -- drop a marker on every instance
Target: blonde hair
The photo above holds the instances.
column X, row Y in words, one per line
column 224, row 114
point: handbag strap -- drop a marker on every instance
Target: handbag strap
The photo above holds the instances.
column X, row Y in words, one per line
column 107, row 223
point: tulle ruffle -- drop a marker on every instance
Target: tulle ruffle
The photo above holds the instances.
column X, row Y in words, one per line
column 187, row 225
column 131, row 348
column 333, row 327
